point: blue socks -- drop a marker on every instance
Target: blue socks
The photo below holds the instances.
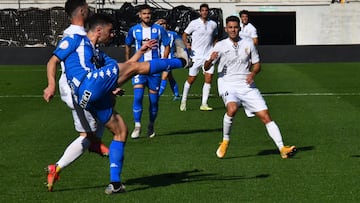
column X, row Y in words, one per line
column 160, row 65
column 154, row 105
column 116, row 157
column 162, row 86
column 174, row 87
column 137, row 105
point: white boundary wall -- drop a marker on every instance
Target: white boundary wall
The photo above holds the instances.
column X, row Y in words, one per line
column 317, row 22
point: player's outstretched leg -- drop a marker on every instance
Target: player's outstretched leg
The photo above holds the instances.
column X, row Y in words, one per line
column 130, row 69
column 180, row 52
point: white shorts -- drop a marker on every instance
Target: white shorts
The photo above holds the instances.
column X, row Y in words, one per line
column 83, row 120
column 198, row 64
column 247, row 96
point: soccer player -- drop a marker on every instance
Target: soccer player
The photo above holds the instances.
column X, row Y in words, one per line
column 90, row 131
column 143, row 31
column 247, row 30
column 92, row 87
column 236, row 74
column 167, row 75
column 203, row 36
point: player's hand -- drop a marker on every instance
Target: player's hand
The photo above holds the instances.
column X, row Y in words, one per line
column 48, row 93
column 250, row 78
column 148, row 45
column 214, row 56
column 118, row 91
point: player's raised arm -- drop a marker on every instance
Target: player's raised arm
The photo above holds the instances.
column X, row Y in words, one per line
column 144, row 48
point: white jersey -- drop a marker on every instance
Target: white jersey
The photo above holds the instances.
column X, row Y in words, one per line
column 248, row 31
column 234, row 61
column 234, row 66
column 202, row 36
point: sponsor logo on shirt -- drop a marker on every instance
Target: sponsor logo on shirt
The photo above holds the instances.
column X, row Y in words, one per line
column 85, row 99
column 64, row 44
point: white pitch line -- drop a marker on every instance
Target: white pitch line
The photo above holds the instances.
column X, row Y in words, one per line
column 198, row 95
column 313, row 94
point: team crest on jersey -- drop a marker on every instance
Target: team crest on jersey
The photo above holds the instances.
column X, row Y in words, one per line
column 64, row 44
column 154, row 30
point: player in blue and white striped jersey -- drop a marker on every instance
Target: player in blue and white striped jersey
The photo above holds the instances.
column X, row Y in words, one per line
column 138, row 34
column 167, row 75
column 92, row 87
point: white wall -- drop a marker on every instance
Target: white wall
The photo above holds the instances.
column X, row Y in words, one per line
column 335, row 24
column 321, row 24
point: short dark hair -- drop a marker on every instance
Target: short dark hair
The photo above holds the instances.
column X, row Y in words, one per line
column 246, row 12
column 232, row 18
column 204, row 6
column 143, row 7
column 72, row 5
column 98, row 19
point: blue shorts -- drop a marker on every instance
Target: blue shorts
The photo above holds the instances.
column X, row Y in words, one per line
column 95, row 91
column 150, row 81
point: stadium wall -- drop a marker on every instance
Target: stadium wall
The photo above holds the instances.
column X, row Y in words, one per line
column 269, row 54
column 318, row 22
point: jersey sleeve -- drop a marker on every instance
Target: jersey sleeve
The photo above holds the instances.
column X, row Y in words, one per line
column 65, row 47
column 216, row 31
column 129, row 37
column 176, row 36
column 190, row 28
column 254, row 32
column 255, row 58
column 165, row 39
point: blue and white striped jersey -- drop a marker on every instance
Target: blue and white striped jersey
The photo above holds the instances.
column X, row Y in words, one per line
column 138, row 34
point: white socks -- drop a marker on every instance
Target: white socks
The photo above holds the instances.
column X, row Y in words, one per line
column 137, row 124
column 274, row 133
column 271, row 127
column 73, row 151
column 185, row 91
column 205, row 93
column 227, row 123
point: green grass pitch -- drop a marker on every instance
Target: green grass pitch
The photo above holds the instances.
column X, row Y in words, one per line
column 315, row 105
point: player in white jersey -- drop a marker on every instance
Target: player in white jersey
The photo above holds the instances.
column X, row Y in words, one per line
column 203, row 36
column 84, row 122
column 236, row 73
column 248, row 31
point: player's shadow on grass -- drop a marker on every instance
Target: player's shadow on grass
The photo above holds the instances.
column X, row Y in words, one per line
column 298, row 149
column 355, row 156
column 192, row 131
column 167, row 179
column 79, row 188
column 274, row 151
